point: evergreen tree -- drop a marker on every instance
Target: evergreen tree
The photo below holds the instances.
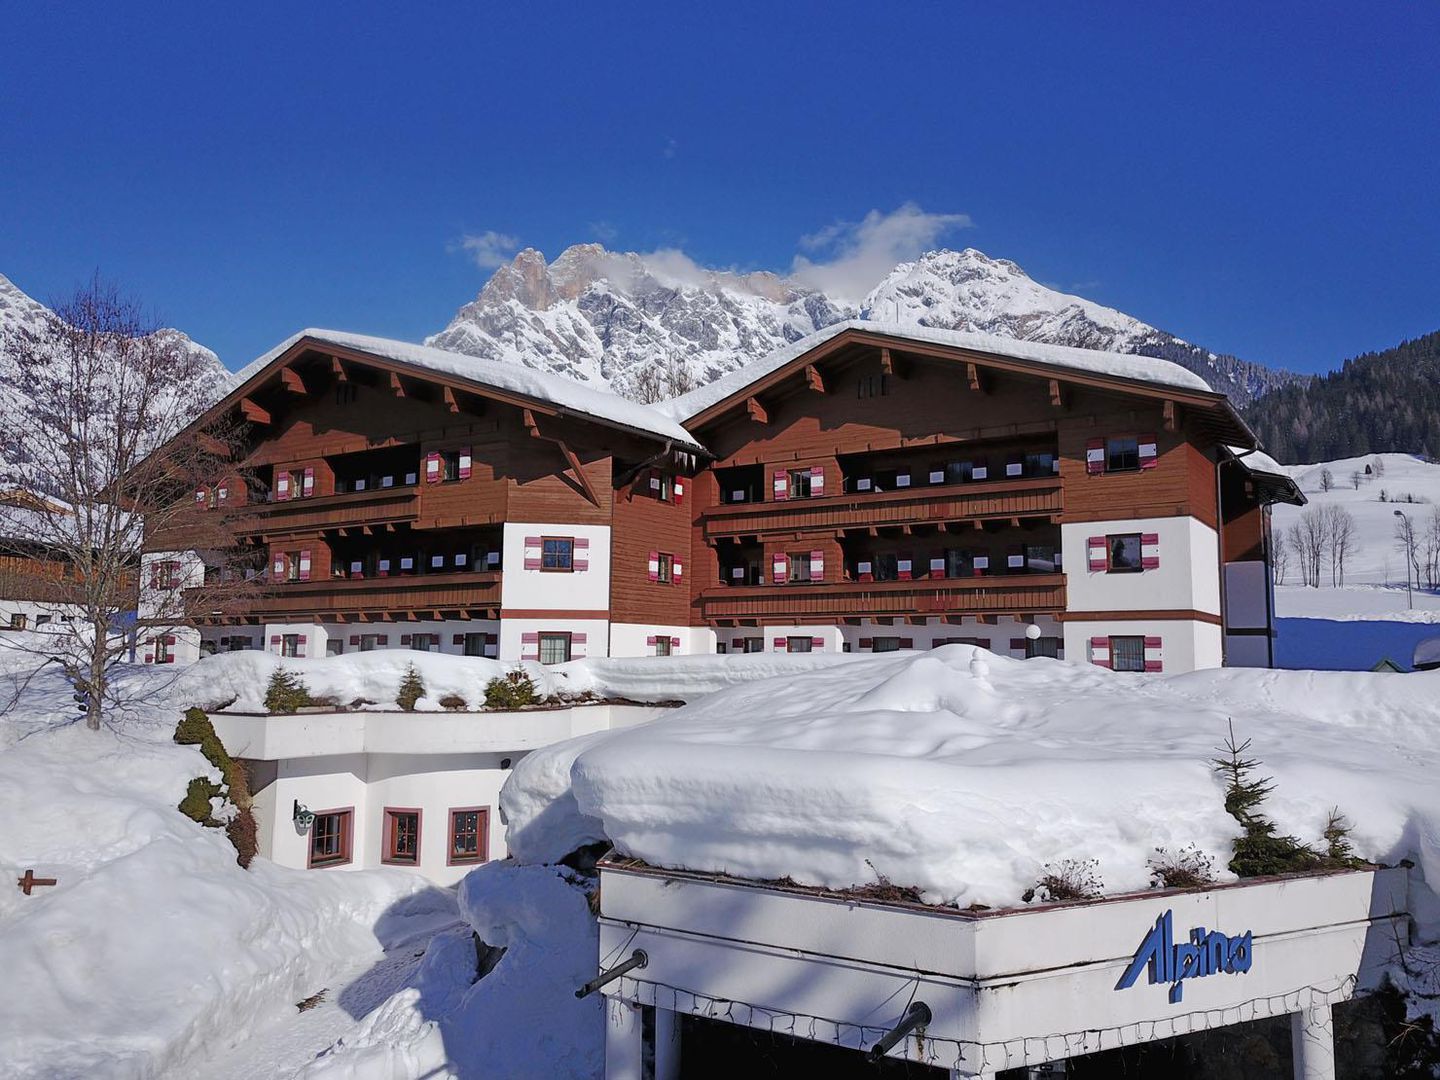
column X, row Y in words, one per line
column 412, row 689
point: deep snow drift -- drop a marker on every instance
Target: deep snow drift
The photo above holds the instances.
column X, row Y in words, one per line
column 964, row 773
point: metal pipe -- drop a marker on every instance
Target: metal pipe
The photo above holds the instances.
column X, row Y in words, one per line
column 916, row 1016
column 638, row 959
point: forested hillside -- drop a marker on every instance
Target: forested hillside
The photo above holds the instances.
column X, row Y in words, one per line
column 1385, row 401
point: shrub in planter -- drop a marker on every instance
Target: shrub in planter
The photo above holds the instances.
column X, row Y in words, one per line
column 453, row 702
column 412, row 689
column 286, row 693
column 513, row 690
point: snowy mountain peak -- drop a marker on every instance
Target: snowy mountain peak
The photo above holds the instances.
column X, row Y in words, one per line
column 656, row 325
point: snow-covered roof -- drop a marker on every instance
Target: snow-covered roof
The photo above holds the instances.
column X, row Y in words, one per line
column 1120, row 365
column 557, row 390
column 1269, row 472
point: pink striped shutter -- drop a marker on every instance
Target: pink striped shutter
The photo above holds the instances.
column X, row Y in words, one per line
column 580, row 559
column 1017, row 646
column 1149, row 452
column 199, row 495
column 405, row 639
column 907, row 643
column 300, row 640
column 382, row 639
column 651, row 641
column 354, row 639
column 867, row 643
column 817, row 643
column 1150, row 551
column 779, row 569
column 737, row 643
column 530, row 646
column 532, row 562
column 305, row 564
column 307, row 483
column 1154, row 654
column 577, row 646
column 222, row 495
column 779, row 644
column 150, row 656
column 1100, row 651
column 1095, row 553
column 466, row 463
column 275, row 642
column 170, row 641
column 282, row 487
column 433, row 473
column 674, row 643
column 1095, row 456
column 277, row 568
column 458, row 639
column 817, row 565
column 679, row 491
column 677, row 570
column 781, row 485
column 654, row 566
column 817, row 480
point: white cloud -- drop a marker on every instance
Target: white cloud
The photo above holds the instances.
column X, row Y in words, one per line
column 851, row 257
column 490, row 248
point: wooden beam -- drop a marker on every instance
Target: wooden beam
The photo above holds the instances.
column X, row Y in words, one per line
column 813, row 379
column 756, row 410
column 291, row 380
column 253, row 412
column 530, row 425
column 337, row 370
column 972, row 375
column 450, row 403
column 887, row 362
column 1057, row 399
column 580, row 477
column 1172, row 422
column 396, row 386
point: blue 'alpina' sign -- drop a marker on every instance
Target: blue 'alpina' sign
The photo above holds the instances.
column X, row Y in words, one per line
column 1206, row 953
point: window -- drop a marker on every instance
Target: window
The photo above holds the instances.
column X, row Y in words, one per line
column 402, row 836
column 798, row 644
column 753, row 644
column 959, row 472
column 450, row 465
column 1043, row 464
column 554, row 648
column 799, row 483
column 469, row 835
column 425, row 642
column 957, row 563
column 885, row 644
column 368, row 642
column 162, row 646
column 798, row 563
column 1127, row 654
column 330, row 837
column 474, row 644
column 1041, row 558
column 872, row 386
column 665, row 568
column 557, row 553
column 292, row 565
column 662, row 646
column 237, row 644
column 1123, row 553
column 1046, row 646
column 289, row 646
column 887, row 567
column 41, row 620
column 334, row 647
column 1122, row 452
column 662, row 486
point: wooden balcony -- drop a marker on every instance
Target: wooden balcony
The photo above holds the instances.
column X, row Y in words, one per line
column 464, row 595
column 380, row 506
column 801, row 602
column 1039, row 497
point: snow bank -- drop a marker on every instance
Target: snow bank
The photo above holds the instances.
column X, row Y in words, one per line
column 964, row 773
column 238, row 680
column 154, row 942
column 520, row 1020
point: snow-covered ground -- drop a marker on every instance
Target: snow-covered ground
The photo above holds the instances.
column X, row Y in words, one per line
column 1373, row 616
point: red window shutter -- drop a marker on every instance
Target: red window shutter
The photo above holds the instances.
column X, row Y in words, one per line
column 737, row 643
column 307, row 487
column 300, row 645
column 779, row 569
column 1150, row 551
column 679, row 491
column 904, row 567
column 1149, row 451
column 817, row 480
column 458, row 639
column 578, row 638
column 282, row 487
column 404, row 639
column 1095, row 548
column 817, row 643
column 907, row 643
column 817, row 565
column 354, row 639
column 580, row 555
column 433, row 472
column 275, row 639
column 1095, row 456
column 651, row 640
column 867, row 643
column 1100, row 651
column 199, row 495
column 781, row 484
column 1017, row 644
column 674, row 642
column 779, row 642
column 677, row 570
column 532, row 638
column 937, row 565
column 466, row 463
column 305, row 564
column 654, row 566
column 382, row 639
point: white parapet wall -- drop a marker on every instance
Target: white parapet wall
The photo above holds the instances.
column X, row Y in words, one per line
column 1005, row 989
column 1185, row 575
column 365, row 765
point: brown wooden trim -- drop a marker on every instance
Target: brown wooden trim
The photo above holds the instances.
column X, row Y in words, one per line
column 387, row 835
column 557, row 569
column 602, row 614
column 1164, row 615
column 347, row 839
column 482, row 839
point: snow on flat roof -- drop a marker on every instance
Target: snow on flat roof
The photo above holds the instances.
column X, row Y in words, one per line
column 540, row 385
column 1121, row 365
column 964, row 774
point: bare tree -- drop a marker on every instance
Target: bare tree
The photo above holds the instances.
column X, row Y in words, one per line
column 1311, row 540
column 1407, row 541
column 1280, row 559
column 1341, row 538
column 1327, row 479
column 646, row 385
column 1378, row 466
column 1431, row 553
column 1356, row 476
column 99, row 456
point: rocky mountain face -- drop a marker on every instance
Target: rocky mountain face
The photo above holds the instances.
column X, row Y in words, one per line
column 652, row 327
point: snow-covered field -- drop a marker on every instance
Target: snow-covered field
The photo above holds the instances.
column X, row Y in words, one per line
column 1373, row 616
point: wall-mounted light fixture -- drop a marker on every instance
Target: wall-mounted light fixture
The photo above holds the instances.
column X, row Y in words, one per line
column 303, row 817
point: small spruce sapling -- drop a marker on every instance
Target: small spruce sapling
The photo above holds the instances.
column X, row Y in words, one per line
column 412, row 689
column 286, row 693
column 1260, row 850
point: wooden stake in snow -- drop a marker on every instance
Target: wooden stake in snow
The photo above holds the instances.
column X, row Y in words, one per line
column 30, row 881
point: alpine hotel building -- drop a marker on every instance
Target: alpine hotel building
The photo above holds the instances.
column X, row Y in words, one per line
column 868, row 488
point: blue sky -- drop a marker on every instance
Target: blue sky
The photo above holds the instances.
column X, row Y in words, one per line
column 1257, row 178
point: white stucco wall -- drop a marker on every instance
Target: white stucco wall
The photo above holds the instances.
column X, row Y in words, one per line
column 1188, row 645
column 1188, row 577
column 512, row 632
column 580, row 590
column 632, row 639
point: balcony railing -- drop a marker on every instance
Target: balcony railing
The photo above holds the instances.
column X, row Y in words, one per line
column 911, row 506
column 1041, row 593
column 467, row 593
column 379, row 506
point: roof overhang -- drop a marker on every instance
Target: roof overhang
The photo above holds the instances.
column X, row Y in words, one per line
column 1270, row 486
